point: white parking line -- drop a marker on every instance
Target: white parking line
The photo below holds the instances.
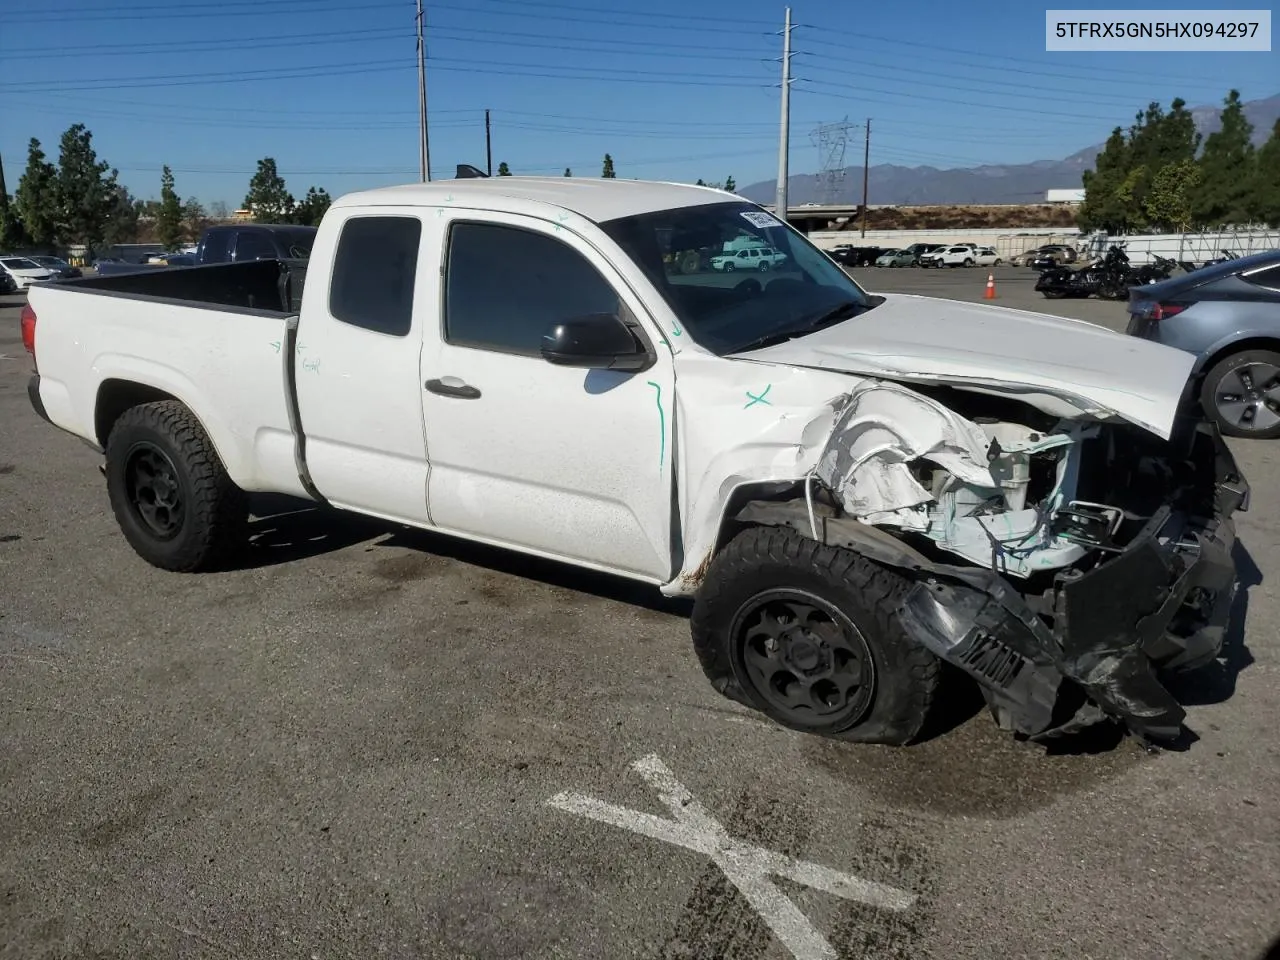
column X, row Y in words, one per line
column 747, row 866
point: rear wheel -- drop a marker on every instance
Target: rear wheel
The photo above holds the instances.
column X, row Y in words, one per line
column 968, row 261
column 169, row 491
column 765, row 266
column 809, row 635
column 1242, row 394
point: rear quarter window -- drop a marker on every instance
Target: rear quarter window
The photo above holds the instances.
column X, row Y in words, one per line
column 1268, row 278
column 374, row 271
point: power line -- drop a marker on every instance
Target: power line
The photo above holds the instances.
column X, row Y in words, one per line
column 1093, row 74
column 223, row 10
column 863, row 89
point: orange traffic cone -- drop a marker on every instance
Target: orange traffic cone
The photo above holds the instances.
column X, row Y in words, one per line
column 991, row 287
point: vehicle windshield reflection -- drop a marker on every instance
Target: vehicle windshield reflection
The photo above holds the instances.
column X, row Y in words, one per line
column 733, row 274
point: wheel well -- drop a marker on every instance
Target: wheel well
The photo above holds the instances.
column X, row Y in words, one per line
column 1237, row 346
column 117, row 396
column 773, row 492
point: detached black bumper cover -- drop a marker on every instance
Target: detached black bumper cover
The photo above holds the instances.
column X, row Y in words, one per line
column 1163, row 603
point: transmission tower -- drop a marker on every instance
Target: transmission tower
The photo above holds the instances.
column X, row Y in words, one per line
column 831, row 139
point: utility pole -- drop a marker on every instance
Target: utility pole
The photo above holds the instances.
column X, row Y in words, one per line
column 488, row 147
column 424, row 153
column 784, row 143
column 866, row 161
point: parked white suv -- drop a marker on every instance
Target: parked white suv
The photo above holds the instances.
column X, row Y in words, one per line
column 753, row 258
column 960, row 255
column 987, row 257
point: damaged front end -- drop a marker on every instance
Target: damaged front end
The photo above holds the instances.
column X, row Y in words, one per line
column 1060, row 563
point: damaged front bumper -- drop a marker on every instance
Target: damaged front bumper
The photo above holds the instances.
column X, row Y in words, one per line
column 1163, row 602
column 1091, row 645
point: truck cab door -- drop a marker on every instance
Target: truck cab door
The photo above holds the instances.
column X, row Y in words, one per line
column 356, row 364
column 564, row 462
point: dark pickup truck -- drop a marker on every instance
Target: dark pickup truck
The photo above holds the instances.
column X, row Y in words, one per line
column 237, row 243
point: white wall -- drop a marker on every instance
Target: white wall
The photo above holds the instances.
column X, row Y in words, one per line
column 1005, row 241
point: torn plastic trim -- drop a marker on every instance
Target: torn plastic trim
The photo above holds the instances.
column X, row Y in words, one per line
column 1111, row 626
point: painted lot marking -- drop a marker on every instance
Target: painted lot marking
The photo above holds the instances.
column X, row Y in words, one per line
column 747, row 866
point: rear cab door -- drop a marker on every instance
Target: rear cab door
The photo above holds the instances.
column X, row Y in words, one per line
column 564, row 462
column 370, row 295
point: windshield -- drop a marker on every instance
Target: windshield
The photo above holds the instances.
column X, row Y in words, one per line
column 734, row 275
column 20, row 263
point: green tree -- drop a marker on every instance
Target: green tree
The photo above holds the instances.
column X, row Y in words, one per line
column 503, row 169
column 122, row 224
column 568, row 172
column 36, row 199
column 218, row 210
column 1104, row 207
column 1264, row 195
column 700, row 183
column 607, row 172
column 268, row 197
column 313, row 206
column 729, row 184
column 169, row 219
column 1227, row 169
column 85, row 189
column 10, row 224
column 194, row 219
column 1168, row 200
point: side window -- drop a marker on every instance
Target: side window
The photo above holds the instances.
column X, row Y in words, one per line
column 506, row 286
column 1269, row 278
column 254, row 245
column 373, row 273
column 215, row 245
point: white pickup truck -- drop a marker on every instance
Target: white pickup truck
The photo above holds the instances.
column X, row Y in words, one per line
column 852, row 487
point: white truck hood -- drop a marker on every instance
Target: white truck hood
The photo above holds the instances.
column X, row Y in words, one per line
column 927, row 340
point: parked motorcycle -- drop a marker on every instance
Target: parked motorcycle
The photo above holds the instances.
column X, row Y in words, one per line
column 1160, row 268
column 1107, row 278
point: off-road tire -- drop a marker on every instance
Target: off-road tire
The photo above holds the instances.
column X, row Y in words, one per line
column 214, row 511
column 761, row 559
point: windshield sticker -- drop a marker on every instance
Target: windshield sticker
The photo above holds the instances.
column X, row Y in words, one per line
column 758, row 218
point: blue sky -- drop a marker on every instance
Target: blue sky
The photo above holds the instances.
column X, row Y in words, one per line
column 673, row 89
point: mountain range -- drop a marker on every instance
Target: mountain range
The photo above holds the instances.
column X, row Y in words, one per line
column 890, row 184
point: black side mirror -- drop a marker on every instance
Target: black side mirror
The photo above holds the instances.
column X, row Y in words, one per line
column 598, row 342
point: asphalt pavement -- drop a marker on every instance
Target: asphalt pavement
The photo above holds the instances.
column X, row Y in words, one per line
column 375, row 742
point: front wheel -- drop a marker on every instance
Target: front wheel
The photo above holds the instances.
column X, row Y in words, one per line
column 1242, row 394
column 998, row 262
column 729, row 268
column 809, row 635
column 170, row 493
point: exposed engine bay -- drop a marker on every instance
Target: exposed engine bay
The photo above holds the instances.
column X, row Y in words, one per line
column 1058, row 562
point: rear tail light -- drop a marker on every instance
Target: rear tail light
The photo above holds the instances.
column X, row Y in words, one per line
column 1163, row 311
column 28, row 321
column 1147, row 310
column 28, row 329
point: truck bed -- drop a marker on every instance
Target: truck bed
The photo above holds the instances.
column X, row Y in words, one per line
column 274, row 286
column 220, row 338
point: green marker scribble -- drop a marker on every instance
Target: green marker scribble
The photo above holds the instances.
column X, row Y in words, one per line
column 276, row 345
column 662, row 424
column 676, row 331
column 759, row 399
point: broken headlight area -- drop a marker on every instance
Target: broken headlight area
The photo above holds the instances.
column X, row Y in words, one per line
column 1060, row 564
